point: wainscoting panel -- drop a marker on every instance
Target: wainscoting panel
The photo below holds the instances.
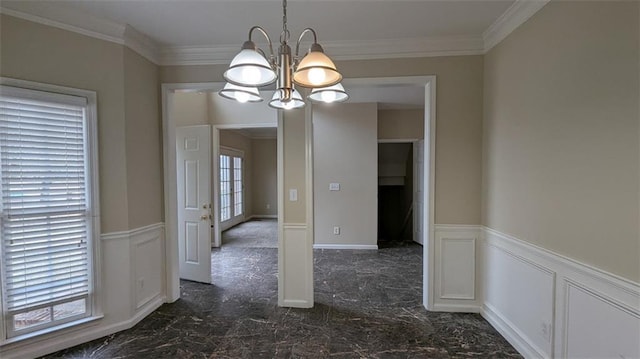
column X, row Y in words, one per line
column 147, row 246
column 548, row 305
column 599, row 327
column 296, row 252
column 520, row 294
column 456, row 268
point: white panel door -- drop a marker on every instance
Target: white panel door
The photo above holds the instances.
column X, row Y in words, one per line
column 418, row 191
column 193, row 157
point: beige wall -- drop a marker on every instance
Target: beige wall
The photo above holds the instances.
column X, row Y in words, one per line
column 236, row 141
column 345, row 151
column 458, row 115
column 264, row 178
column 294, row 164
column 561, row 153
column 189, row 108
column 400, row 124
column 226, row 112
column 45, row 54
column 143, row 141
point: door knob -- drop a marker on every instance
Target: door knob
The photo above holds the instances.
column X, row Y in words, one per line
column 204, row 217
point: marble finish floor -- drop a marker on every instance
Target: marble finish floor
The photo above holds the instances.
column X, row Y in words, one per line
column 367, row 305
column 255, row 233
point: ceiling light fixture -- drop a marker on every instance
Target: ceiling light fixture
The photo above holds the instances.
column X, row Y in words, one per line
column 251, row 68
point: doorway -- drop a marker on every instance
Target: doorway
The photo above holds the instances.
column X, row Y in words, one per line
column 169, row 134
column 395, row 194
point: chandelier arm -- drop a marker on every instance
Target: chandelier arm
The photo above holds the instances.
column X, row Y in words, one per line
column 315, row 39
column 272, row 57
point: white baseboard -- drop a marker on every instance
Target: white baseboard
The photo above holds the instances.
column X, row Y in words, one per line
column 456, row 308
column 292, row 303
column 345, row 246
column 509, row 332
column 262, row 216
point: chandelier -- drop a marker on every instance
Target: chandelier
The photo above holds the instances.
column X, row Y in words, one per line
column 251, row 68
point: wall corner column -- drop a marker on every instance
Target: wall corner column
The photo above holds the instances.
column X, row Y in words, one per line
column 295, row 209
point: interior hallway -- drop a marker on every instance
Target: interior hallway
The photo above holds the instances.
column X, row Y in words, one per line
column 367, row 304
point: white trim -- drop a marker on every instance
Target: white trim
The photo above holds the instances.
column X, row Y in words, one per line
column 281, row 191
column 509, row 332
column 95, row 27
column 296, row 303
column 519, row 12
column 432, row 46
column 345, row 246
column 308, row 172
column 141, row 43
column 339, row 50
column 456, row 308
column 458, row 227
column 102, row 29
column 499, row 239
column 128, row 234
column 564, row 274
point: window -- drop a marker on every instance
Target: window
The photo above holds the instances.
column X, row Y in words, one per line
column 225, row 188
column 47, row 212
column 237, row 186
column 231, row 186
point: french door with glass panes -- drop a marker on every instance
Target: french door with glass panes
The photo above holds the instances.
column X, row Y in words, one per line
column 231, row 188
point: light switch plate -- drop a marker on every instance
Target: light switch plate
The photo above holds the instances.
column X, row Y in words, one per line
column 334, row 186
column 293, row 195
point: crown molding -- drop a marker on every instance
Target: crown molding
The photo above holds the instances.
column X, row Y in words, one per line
column 339, row 50
column 519, row 12
column 95, row 27
column 89, row 25
column 197, row 55
column 142, row 44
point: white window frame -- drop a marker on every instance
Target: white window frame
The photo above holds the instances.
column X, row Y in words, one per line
column 91, row 147
column 233, row 152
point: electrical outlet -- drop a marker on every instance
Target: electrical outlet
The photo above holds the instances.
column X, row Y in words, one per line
column 336, row 230
column 545, row 331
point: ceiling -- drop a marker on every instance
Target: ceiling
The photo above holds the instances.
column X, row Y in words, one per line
column 226, row 22
column 177, row 32
column 192, row 32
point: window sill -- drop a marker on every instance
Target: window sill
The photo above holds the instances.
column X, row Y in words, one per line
column 50, row 330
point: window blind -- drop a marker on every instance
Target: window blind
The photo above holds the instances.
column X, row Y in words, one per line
column 45, row 210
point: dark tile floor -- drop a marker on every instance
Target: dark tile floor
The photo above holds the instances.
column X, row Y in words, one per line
column 367, row 305
column 256, row 233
